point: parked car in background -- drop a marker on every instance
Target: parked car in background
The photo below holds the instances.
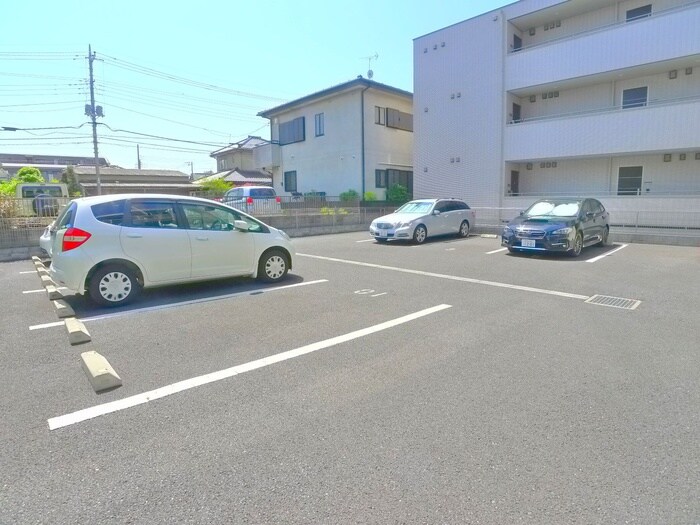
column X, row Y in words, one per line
column 255, row 200
column 112, row 246
column 419, row 219
column 558, row 225
column 43, row 199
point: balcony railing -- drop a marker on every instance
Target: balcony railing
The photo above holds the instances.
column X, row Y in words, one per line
column 606, row 27
column 608, row 109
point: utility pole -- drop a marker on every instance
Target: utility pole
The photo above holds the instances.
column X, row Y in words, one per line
column 191, row 170
column 93, row 112
column 138, row 156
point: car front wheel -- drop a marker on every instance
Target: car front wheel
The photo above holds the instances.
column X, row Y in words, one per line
column 114, row 285
column 578, row 245
column 420, row 234
column 272, row 266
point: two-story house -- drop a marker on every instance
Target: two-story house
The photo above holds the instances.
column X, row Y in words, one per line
column 235, row 163
column 354, row 136
column 554, row 97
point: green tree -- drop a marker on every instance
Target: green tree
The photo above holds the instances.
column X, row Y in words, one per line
column 397, row 193
column 218, row 186
column 29, row 174
column 69, row 178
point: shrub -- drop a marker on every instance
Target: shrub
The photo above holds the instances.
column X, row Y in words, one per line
column 370, row 196
column 350, row 195
column 397, row 193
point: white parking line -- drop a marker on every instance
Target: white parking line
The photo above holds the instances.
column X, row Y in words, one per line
column 182, row 303
column 28, row 271
column 139, row 399
column 366, row 240
column 496, row 251
column 450, row 277
column 43, row 290
column 606, row 254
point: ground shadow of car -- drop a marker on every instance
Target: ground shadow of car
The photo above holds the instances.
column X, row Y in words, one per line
column 175, row 295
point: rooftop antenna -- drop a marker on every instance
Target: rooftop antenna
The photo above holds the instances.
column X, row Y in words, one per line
column 370, row 73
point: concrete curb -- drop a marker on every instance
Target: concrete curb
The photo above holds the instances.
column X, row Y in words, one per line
column 100, row 373
column 63, row 309
column 53, row 292
column 46, row 281
column 77, row 333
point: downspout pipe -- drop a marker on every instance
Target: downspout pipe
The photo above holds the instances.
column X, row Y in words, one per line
column 362, row 137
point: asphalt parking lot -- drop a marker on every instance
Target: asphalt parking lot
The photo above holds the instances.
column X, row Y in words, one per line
column 449, row 382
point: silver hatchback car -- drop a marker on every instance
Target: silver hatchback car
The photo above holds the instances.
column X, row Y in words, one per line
column 114, row 245
column 419, row 219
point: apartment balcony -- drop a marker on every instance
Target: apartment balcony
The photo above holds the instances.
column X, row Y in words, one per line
column 643, row 46
column 267, row 156
column 661, row 126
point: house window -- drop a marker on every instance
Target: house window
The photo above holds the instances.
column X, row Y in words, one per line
column 380, row 178
column 290, row 181
column 399, row 120
column 319, row 124
column 635, row 97
column 404, row 178
column 292, row 131
column 637, row 13
column 629, row 180
column 379, row 115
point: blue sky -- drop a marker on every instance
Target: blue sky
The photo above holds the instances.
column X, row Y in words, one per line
column 197, row 72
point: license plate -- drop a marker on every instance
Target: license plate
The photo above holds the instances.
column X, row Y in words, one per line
column 528, row 243
column 382, row 233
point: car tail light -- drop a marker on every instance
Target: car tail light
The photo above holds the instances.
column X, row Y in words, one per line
column 278, row 199
column 73, row 238
column 249, row 200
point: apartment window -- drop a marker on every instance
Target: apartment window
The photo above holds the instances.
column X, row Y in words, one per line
column 290, row 181
column 292, row 131
column 639, row 12
column 380, row 178
column 379, row 115
column 635, row 97
column 399, row 120
column 404, row 178
column 629, row 180
column 319, row 125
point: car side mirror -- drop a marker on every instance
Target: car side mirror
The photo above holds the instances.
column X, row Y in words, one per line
column 436, row 212
column 590, row 214
column 241, row 225
column 522, row 213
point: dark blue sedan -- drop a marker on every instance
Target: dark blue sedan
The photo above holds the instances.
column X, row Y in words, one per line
column 558, row 225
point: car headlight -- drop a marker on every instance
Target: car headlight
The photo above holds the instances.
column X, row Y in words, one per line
column 507, row 232
column 403, row 224
column 563, row 231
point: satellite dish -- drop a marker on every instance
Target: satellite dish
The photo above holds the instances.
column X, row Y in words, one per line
column 370, row 74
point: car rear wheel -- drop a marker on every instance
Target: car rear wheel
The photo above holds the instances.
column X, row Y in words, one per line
column 578, row 245
column 272, row 266
column 606, row 234
column 114, row 285
column 464, row 229
column 420, row 234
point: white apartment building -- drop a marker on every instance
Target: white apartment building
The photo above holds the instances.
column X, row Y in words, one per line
column 550, row 97
column 354, row 136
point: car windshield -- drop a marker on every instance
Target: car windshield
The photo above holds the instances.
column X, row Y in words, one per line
column 553, row 209
column 415, row 207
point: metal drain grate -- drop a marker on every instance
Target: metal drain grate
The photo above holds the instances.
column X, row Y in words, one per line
column 614, row 302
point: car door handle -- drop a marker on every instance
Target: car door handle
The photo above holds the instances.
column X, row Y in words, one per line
column 134, row 235
column 202, row 238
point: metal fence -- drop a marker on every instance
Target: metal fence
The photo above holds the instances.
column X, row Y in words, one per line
column 22, row 222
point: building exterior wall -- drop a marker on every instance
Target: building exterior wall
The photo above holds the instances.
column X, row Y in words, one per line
column 568, row 82
column 333, row 162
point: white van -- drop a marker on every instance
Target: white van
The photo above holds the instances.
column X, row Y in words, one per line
column 43, row 199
